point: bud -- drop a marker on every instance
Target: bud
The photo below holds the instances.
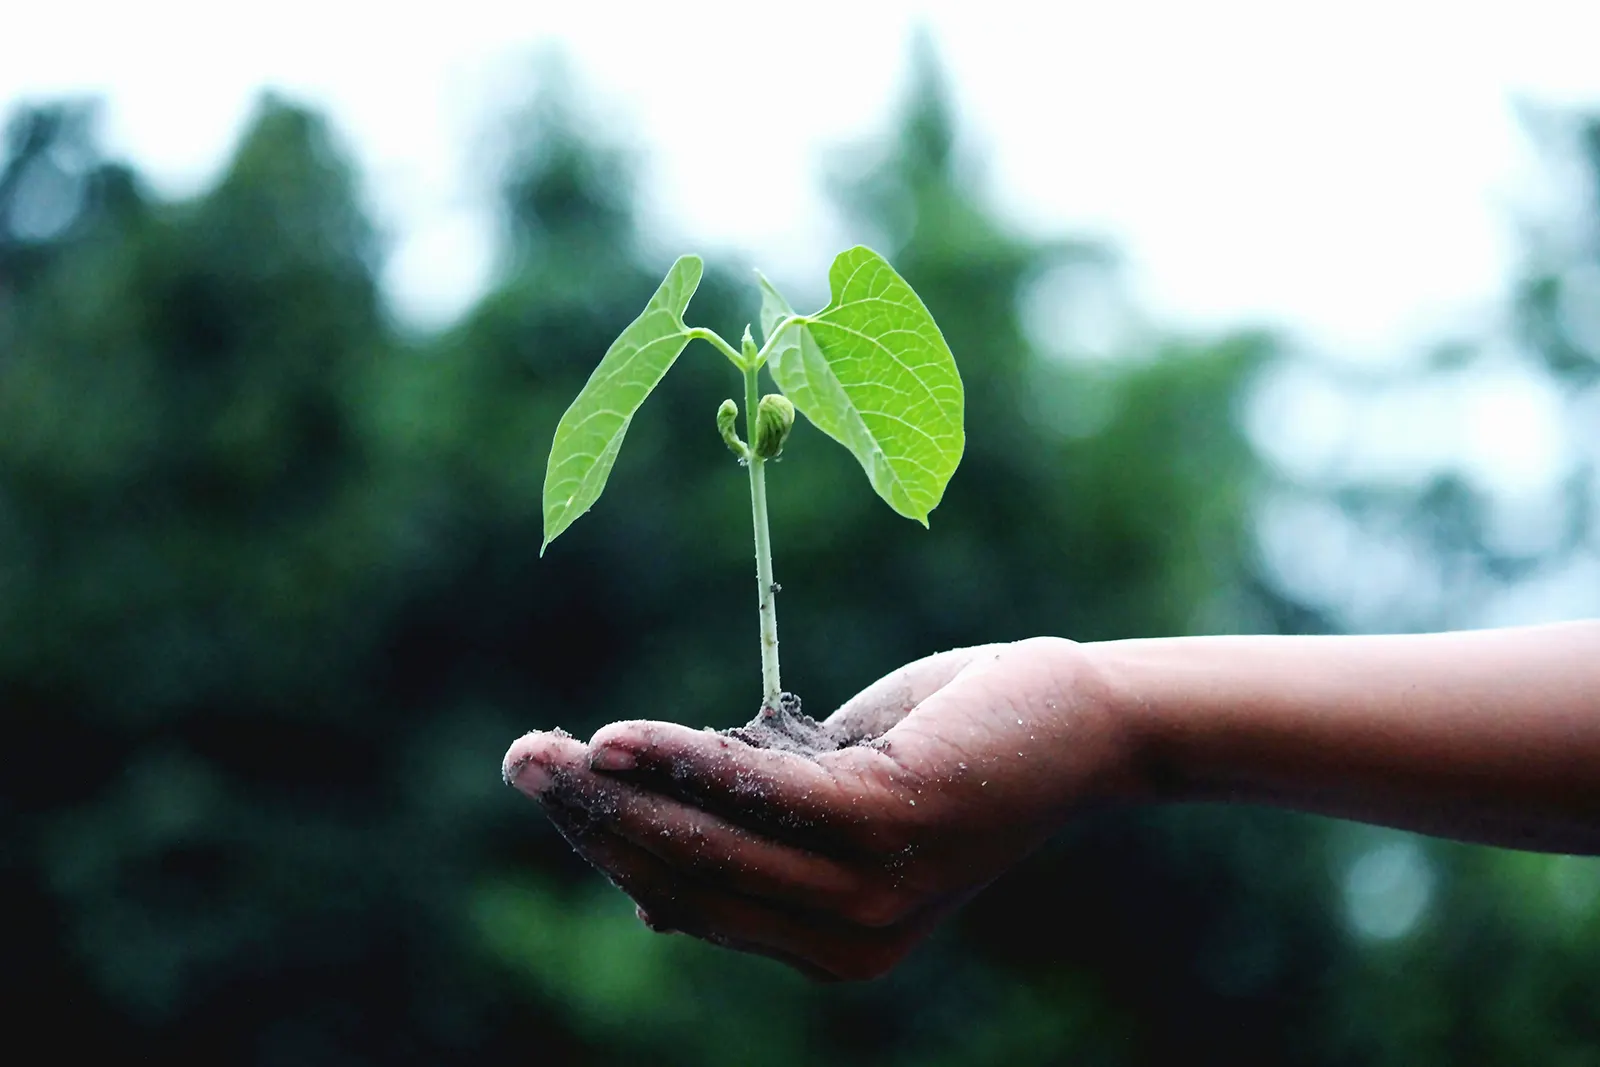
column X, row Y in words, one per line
column 748, row 345
column 774, row 420
column 727, row 417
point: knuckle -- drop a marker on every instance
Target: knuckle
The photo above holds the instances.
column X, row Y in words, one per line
column 628, row 733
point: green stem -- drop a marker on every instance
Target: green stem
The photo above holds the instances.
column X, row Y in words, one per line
column 778, row 328
column 771, row 687
column 718, row 343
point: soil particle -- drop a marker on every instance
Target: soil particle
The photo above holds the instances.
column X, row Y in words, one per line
column 786, row 729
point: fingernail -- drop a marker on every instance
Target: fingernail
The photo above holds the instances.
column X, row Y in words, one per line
column 612, row 759
column 527, row 776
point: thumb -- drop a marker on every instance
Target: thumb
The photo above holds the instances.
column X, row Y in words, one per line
column 879, row 707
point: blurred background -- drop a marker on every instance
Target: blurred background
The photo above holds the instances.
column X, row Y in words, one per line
column 1268, row 322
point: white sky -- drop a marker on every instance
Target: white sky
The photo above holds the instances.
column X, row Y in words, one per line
column 1249, row 158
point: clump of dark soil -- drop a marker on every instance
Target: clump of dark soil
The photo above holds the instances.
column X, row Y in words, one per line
column 788, row 729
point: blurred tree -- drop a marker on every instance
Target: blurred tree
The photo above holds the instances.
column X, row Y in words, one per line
column 216, row 851
column 1558, row 294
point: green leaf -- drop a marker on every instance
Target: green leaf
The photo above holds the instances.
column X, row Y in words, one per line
column 590, row 434
column 872, row 371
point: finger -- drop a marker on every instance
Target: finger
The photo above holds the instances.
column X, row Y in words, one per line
column 787, row 796
column 536, row 759
column 877, row 708
column 704, row 846
column 660, row 897
column 554, row 769
column 549, row 766
column 820, row 949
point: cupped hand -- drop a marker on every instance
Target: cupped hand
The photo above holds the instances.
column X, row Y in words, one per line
column 953, row 768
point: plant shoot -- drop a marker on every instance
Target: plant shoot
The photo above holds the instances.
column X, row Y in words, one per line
column 871, row 370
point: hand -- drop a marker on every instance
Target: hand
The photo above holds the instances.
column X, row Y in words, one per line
column 840, row 864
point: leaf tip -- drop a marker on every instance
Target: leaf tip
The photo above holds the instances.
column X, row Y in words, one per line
column 692, row 266
column 854, row 250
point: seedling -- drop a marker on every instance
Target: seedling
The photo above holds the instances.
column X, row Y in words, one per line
column 871, row 370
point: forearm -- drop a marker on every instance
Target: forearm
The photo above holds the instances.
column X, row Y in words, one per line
column 1490, row 736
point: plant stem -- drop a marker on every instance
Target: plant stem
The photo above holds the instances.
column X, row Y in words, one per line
column 716, row 342
column 771, row 687
column 778, row 329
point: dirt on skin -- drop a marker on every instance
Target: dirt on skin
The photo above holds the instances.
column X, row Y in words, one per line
column 576, row 812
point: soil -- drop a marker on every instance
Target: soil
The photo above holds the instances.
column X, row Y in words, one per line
column 788, row 729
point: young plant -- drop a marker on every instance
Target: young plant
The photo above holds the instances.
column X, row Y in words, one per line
column 871, row 370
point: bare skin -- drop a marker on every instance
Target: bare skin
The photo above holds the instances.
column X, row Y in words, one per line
column 839, row 865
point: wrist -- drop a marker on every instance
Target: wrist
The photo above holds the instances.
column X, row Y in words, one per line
column 1129, row 681
column 1094, row 698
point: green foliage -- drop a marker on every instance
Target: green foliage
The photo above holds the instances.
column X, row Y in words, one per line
column 590, row 433
column 873, row 372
